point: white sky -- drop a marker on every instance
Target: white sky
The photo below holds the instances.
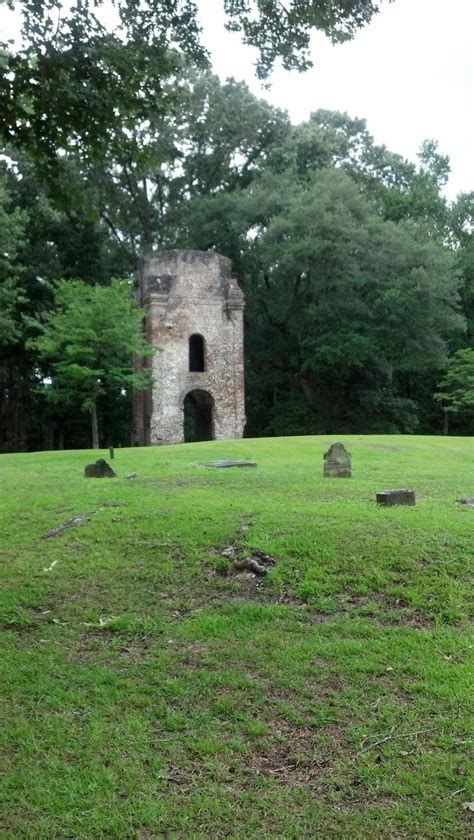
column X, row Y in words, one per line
column 410, row 74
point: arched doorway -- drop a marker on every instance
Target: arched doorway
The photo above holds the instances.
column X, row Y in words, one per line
column 198, row 419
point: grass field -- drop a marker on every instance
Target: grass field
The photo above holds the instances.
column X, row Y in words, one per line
column 150, row 691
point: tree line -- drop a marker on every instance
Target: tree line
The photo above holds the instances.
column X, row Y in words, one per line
column 357, row 273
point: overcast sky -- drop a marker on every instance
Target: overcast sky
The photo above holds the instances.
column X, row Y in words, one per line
column 410, row 73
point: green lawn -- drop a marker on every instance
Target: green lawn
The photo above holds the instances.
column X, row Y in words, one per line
column 150, row 691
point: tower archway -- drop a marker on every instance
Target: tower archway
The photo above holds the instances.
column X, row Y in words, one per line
column 198, row 416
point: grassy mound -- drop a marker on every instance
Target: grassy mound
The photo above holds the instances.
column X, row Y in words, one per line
column 155, row 689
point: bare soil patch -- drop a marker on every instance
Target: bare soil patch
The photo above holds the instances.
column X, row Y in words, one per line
column 387, row 611
column 99, row 645
column 296, row 755
column 192, row 655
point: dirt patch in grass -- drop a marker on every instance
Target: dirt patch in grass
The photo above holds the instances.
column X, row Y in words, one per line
column 104, row 645
column 240, row 572
column 233, row 559
column 192, row 656
column 25, row 620
column 385, row 685
column 411, row 618
column 295, row 699
column 243, row 586
column 295, row 755
column 356, row 797
column 385, row 611
column 313, row 757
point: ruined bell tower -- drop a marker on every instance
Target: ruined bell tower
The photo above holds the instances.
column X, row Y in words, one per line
column 195, row 318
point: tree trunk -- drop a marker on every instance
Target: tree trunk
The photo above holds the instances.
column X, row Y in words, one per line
column 306, row 386
column 95, row 428
column 49, row 438
column 446, row 422
column 13, row 394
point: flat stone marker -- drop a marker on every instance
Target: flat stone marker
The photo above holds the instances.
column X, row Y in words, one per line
column 467, row 500
column 337, row 462
column 74, row 520
column 230, row 464
column 100, row 469
column 390, row 498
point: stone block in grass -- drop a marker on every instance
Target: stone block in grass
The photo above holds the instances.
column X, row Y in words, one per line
column 391, row 498
column 101, row 469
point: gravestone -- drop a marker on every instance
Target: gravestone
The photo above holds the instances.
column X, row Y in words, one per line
column 390, row 498
column 100, row 469
column 337, row 462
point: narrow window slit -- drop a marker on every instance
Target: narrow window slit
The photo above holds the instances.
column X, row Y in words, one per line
column 196, row 353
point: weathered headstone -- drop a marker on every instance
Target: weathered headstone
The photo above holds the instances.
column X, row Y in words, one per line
column 100, row 469
column 337, row 462
column 390, row 498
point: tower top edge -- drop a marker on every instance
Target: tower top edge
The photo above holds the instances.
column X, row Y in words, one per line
column 183, row 255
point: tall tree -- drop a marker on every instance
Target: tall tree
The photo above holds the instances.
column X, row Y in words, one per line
column 213, row 142
column 347, row 304
column 462, row 233
column 12, row 298
column 457, row 394
column 73, row 80
column 86, row 346
column 60, row 239
column 12, row 231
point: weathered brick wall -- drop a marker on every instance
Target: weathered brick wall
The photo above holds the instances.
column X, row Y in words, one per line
column 189, row 292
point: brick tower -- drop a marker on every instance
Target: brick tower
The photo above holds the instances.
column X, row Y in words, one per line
column 195, row 318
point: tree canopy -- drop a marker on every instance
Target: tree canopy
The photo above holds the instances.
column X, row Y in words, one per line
column 74, row 78
column 349, row 305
